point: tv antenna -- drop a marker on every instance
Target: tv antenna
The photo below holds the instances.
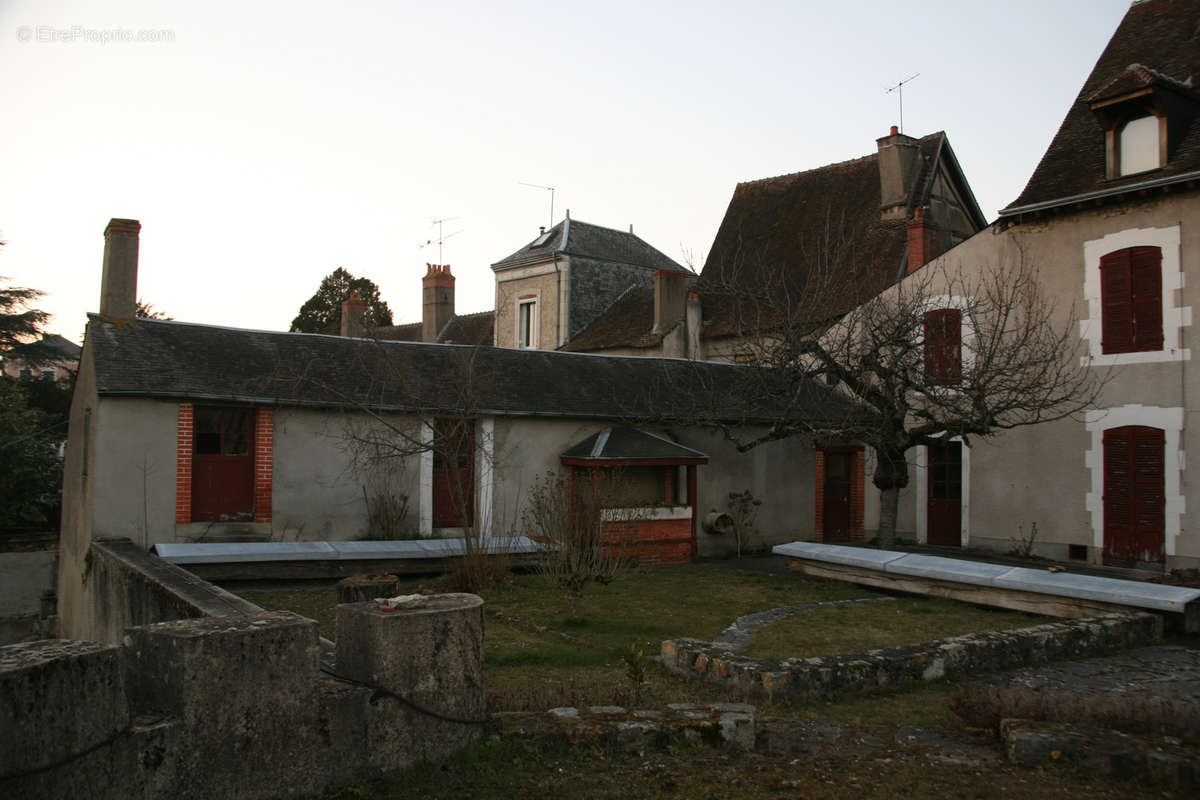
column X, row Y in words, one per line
column 899, row 90
column 549, row 189
column 440, row 237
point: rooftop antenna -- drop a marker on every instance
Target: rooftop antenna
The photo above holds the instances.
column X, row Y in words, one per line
column 547, row 188
column 899, row 90
column 440, row 237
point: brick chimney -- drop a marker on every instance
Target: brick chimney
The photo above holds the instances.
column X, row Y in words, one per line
column 923, row 244
column 353, row 311
column 670, row 298
column 437, row 300
column 118, row 283
column 899, row 164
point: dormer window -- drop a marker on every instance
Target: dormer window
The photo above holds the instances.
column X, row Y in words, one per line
column 1138, row 145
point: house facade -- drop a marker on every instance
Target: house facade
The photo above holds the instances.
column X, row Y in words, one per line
column 182, row 432
column 1108, row 219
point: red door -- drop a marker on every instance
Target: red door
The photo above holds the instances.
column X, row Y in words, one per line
column 944, row 495
column 1134, row 496
column 223, row 465
column 453, row 473
column 836, row 496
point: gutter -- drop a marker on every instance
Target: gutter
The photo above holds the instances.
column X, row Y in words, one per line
column 1110, row 192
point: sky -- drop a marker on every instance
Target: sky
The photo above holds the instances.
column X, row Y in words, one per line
column 262, row 145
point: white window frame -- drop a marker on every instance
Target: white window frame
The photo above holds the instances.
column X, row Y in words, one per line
column 1173, row 317
column 532, row 304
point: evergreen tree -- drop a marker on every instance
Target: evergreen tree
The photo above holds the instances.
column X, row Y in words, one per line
column 322, row 313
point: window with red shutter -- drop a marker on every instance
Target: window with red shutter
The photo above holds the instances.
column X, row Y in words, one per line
column 1131, row 300
column 943, row 347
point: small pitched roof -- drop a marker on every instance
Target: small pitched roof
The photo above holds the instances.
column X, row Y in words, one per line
column 167, row 359
column 1157, row 44
column 461, row 329
column 577, row 238
column 627, row 323
column 629, row 446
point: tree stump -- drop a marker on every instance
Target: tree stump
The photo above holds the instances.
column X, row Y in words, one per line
column 359, row 588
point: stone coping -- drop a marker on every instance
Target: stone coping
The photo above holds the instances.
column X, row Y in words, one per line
column 241, row 552
column 1115, row 591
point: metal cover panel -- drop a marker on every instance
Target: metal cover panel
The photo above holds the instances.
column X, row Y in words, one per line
column 947, row 569
column 238, row 552
column 838, row 554
column 1105, row 590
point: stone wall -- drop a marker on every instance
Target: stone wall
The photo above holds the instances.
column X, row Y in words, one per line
column 896, row 666
column 192, row 692
column 240, row 706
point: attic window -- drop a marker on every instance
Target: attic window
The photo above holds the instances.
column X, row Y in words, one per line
column 1138, row 145
column 541, row 240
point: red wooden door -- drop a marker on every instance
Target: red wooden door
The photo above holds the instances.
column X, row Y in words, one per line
column 836, row 497
column 944, row 495
column 1134, row 496
column 453, row 473
column 223, row 465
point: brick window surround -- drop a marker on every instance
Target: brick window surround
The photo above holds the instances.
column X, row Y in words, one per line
column 857, row 492
column 264, row 460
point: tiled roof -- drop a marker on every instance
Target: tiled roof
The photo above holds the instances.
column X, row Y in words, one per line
column 59, row 346
column 782, row 226
column 623, row 443
column 593, row 241
column 1156, row 44
column 153, row 358
column 469, row 329
column 628, row 323
column 462, row 329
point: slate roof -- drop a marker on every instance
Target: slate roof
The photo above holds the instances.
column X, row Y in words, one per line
column 783, row 225
column 1156, row 44
column 462, row 329
column 168, row 359
column 625, row 444
column 577, row 238
column 627, row 323
column 59, row 346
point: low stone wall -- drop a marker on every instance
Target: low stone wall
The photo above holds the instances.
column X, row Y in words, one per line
column 240, row 706
column 947, row 658
column 718, row 724
column 124, row 585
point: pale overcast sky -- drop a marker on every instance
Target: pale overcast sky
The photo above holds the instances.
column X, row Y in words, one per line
column 264, row 144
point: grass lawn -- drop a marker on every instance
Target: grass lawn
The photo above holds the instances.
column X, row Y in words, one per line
column 856, row 628
column 536, row 657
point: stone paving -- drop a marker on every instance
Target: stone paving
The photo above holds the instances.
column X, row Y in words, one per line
column 1170, row 670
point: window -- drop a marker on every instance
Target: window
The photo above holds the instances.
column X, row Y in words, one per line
column 943, row 347
column 1138, row 146
column 1131, row 300
column 527, row 323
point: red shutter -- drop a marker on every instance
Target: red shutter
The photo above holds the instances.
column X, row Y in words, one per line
column 1131, row 300
column 1145, row 288
column 1134, row 495
column 943, row 347
column 1115, row 306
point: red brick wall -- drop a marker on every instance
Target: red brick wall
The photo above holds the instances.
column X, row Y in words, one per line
column 184, row 431
column 653, row 542
column 264, row 463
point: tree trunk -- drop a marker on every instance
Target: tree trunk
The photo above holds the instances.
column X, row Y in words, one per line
column 891, row 475
column 889, row 499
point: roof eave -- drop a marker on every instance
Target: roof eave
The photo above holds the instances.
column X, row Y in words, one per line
column 1046, row 205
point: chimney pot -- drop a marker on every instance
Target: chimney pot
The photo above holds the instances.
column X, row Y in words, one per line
column 118, row 281
column 895, row 130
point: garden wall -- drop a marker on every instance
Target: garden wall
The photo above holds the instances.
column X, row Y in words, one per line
column 225, row 702
column 896, row 666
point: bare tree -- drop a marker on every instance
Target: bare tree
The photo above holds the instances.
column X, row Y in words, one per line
column 583, row 538
column 944, row 353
